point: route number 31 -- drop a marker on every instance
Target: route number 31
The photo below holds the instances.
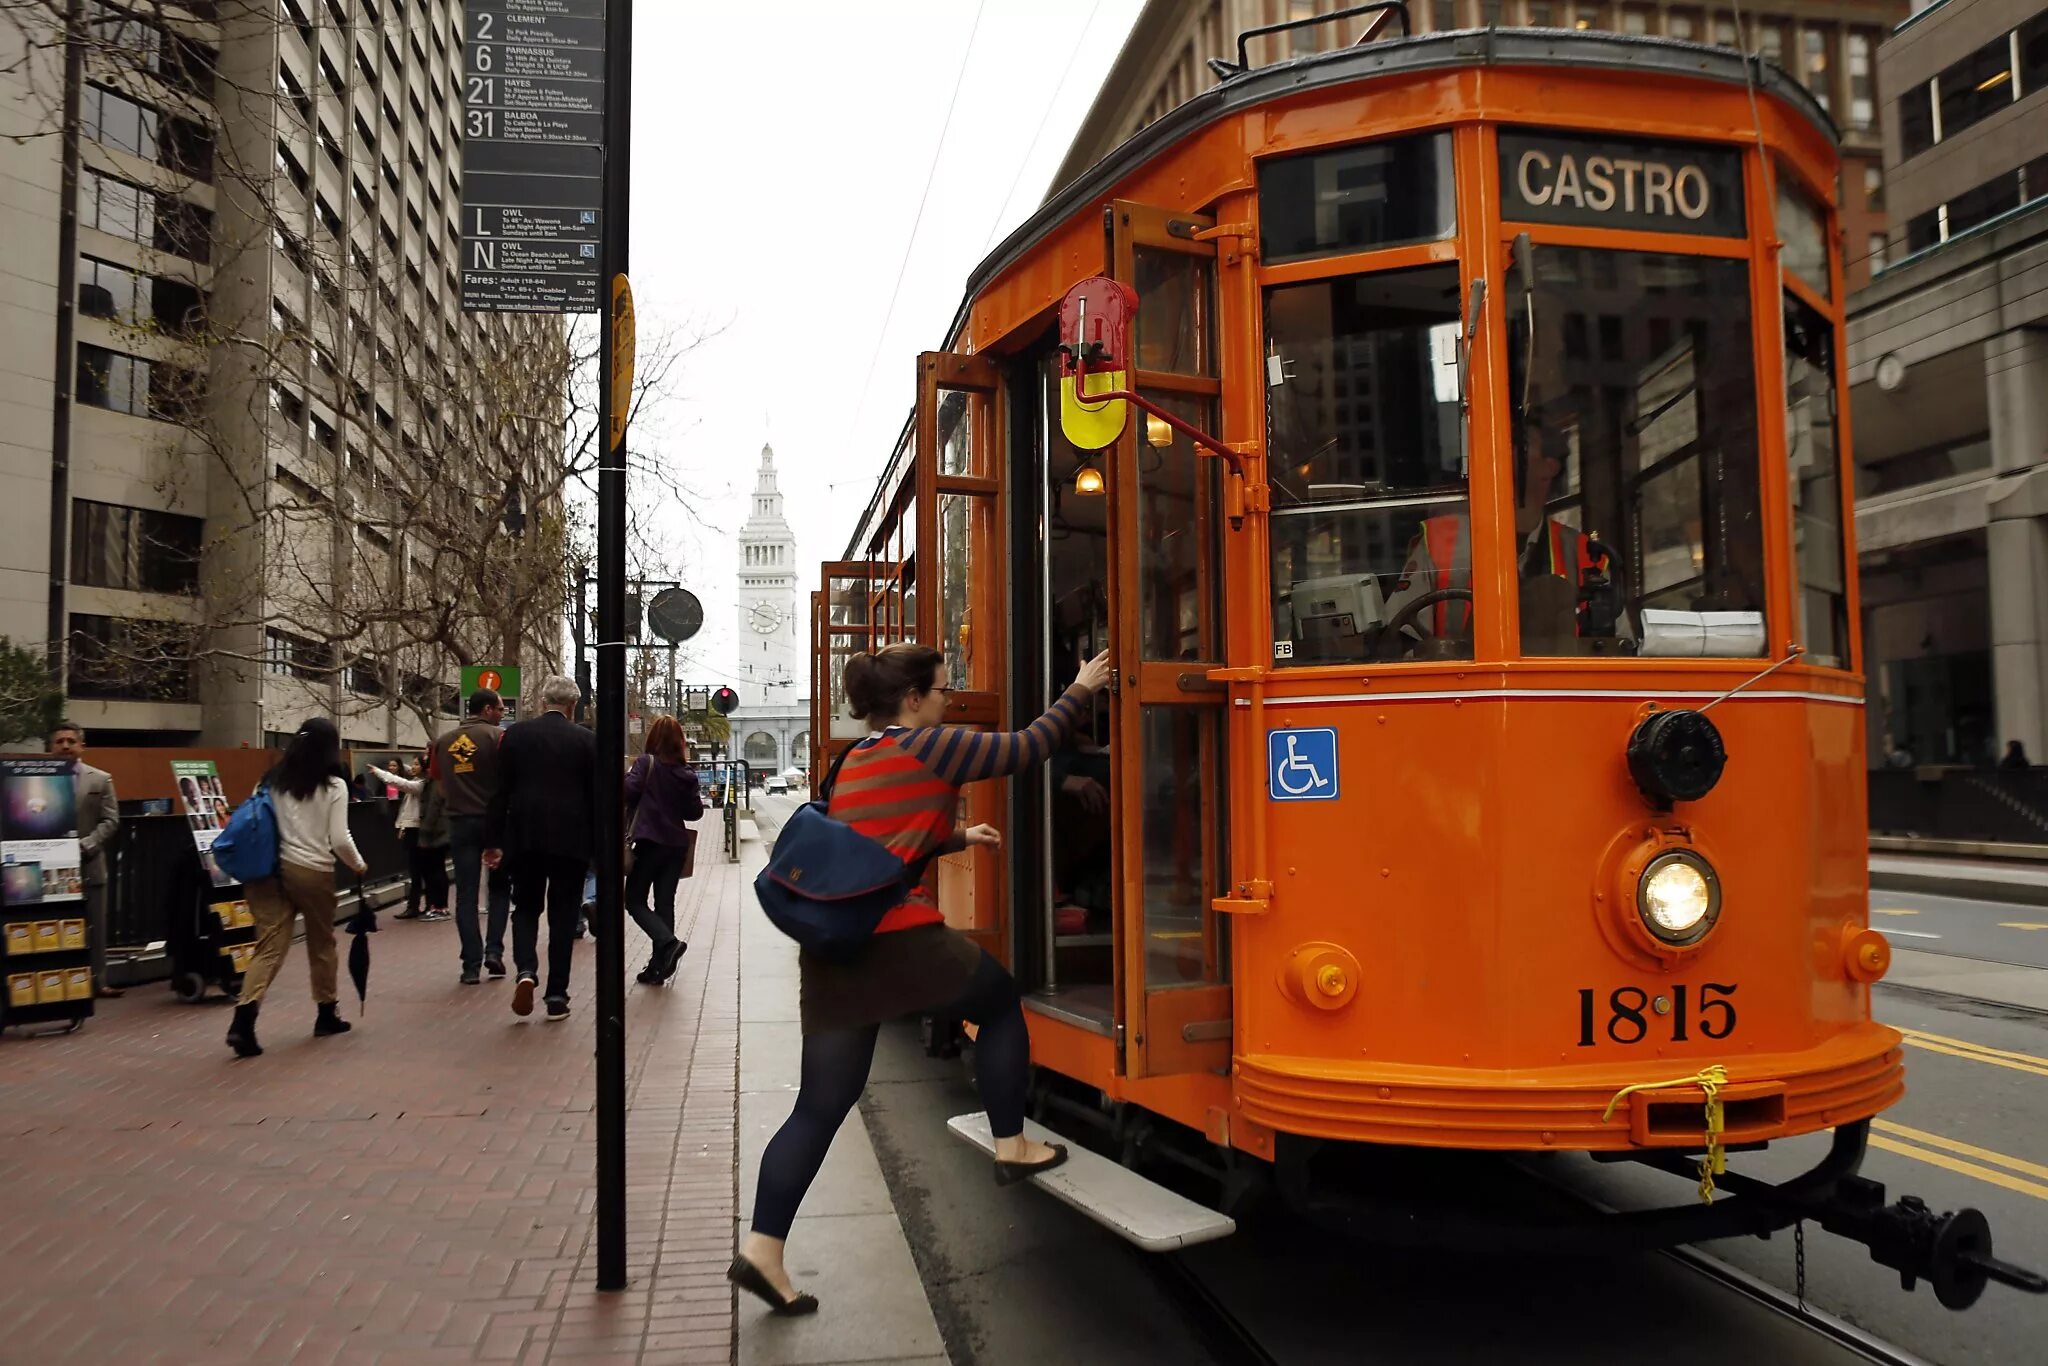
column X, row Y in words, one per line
column 1630, row 1015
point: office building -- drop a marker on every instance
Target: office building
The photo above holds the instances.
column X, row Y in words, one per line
column 255, row 462
column 1948, row 363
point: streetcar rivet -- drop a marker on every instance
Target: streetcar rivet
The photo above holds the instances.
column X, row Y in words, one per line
column 1662, row 1005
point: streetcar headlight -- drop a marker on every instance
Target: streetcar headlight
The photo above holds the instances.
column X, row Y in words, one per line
column 1679, row 897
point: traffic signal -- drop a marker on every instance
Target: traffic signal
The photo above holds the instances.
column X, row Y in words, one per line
column 725, row 701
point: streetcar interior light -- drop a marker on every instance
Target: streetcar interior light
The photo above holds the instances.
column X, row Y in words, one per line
column 1158, row 431
column 1679, row 897
column 1088, row 480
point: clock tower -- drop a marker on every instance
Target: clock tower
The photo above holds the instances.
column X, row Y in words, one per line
column 769, row 653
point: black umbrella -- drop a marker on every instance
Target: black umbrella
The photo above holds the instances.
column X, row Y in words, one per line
column 362, row 924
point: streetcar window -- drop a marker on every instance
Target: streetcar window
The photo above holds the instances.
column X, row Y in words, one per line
column 1637, row 493
column 1802, row 226
column 1819, row 573
column 1371, row 549
column 1378, row 194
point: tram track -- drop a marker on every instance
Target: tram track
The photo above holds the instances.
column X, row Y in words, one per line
column 1236, row 1342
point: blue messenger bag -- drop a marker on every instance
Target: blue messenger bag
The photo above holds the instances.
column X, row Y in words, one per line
column 827, row 885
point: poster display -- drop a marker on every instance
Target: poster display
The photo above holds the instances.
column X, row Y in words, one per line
column 204, row 804
column 40, row 862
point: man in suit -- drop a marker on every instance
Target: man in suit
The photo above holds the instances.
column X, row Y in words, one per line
column 99, row 822
column 540, row 824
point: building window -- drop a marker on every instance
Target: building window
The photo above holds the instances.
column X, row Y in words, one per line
column 1862, row 82
column 128, row 384
column 1984, row 203
column 1916, row 120
column 1635, row 19
column 2033, row 44
column 135, row 549
column 1976, row 87
column 117, row 122
column 117, row 208
column 365, row 677
column 1682, row 24
column 1814, row 66
column 1876, row 252
column 1873, row 187
column 1923, row 231
column 131, row 660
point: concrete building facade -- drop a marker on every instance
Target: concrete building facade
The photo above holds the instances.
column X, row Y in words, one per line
column 1828, row 45
column 255, row 461
column 1948, row 363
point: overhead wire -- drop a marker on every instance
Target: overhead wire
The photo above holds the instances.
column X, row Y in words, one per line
column 1051, row 103
column 903, row 268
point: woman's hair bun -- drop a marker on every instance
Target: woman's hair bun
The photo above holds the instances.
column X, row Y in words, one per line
column 877, row 683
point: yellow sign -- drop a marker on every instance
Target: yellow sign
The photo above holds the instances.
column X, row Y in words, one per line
column 624, row 349
column 1093, row 426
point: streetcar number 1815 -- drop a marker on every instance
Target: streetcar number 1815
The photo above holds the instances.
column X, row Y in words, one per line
column 1630, row 1015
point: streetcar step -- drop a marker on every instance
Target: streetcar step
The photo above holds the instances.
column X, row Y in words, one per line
column 1114, row 1196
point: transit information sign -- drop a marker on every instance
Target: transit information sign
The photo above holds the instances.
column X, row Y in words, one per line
column 532, row 155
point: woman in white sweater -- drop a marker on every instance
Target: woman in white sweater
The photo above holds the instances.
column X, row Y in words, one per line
column 310, row 795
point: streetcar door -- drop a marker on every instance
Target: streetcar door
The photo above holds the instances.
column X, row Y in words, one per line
column 1166, row 545
column 958, row 511
column 840, row 630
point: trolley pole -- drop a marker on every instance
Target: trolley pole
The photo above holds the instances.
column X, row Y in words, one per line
column 611, row 662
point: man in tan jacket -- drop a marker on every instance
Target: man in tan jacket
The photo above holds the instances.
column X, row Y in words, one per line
column 99, row 823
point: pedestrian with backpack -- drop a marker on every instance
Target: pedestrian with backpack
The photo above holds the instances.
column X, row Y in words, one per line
column 308, row 794
column 900, row 788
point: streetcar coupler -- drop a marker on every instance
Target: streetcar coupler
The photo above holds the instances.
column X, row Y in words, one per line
column 1951, row 1251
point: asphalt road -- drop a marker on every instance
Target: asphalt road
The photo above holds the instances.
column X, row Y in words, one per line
column 1995, row 931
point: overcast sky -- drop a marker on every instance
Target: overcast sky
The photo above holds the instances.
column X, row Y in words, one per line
column 779, row 155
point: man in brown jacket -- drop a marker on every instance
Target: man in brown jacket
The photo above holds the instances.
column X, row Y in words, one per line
column 464, row 762
column 99, row 822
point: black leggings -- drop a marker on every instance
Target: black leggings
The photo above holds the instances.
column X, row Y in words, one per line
column 835, row 1072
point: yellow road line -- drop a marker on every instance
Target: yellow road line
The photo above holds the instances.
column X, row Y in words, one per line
column 1997, row 1159
column 1891, row 910
column 1976, row 1047
column 1975, row 1056
column 1956, row 1164
column 2021, row 925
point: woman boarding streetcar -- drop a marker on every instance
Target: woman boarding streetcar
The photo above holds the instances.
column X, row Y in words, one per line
column 901, row 788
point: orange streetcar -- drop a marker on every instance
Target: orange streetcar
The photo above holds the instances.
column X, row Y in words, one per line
column 1447, row 437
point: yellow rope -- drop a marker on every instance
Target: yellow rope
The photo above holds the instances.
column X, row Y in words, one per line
column 1710, row 1080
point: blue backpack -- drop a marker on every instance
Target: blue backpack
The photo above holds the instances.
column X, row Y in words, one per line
column 827, row 885
column 247, row 850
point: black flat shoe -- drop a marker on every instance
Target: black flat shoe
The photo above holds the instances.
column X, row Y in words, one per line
column 1010, row 1173
column 748, row 1277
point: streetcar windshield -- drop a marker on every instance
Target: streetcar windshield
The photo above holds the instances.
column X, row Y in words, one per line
column 1637, row 494
column 1371, row 547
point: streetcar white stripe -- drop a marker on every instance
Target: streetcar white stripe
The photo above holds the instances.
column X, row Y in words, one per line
column 1552, row 694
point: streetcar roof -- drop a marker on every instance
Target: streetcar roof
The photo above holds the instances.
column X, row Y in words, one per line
column 1520, row 47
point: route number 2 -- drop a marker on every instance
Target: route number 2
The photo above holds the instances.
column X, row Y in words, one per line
column 1630, row 1015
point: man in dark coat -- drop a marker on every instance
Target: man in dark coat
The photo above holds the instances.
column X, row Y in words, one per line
column 539, row 824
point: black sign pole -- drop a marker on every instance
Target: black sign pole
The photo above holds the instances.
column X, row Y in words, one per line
column 611, row 672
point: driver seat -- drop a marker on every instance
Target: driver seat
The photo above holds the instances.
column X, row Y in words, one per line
column 1550, row 615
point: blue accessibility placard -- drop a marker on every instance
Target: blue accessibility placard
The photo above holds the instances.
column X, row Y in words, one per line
column 1301, row 765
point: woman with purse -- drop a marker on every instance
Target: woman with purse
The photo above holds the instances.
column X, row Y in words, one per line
column 901, row 788
column 661, row 790
column 309, row 793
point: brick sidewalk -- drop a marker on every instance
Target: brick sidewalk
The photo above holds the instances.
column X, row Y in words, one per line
column 420, row 1190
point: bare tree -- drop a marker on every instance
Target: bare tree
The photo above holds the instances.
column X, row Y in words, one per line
column 391, row 489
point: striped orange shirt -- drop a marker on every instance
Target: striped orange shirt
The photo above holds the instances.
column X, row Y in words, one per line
column 901, row 788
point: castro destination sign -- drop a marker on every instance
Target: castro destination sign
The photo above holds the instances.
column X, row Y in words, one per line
column 1593, row 182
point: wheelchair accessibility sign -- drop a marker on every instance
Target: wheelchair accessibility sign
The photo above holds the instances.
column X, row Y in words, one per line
column 1301, row 765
